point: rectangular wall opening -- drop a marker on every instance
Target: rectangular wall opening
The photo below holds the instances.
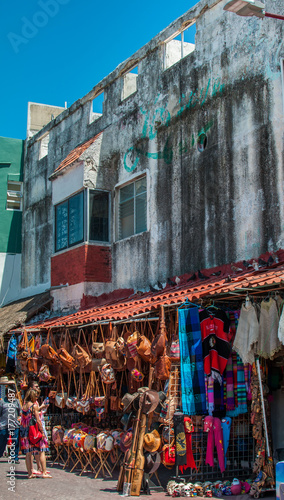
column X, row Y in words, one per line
column 179, row 46
column 96, row 110
column 129, row 83
column 43, row 148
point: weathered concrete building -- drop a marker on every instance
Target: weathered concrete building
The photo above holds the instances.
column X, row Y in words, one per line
column 183, row 169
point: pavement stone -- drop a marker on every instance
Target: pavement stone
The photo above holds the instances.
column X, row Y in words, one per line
column 66, row 485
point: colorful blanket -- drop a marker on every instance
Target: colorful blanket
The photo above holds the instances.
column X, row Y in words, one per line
column 191, row 362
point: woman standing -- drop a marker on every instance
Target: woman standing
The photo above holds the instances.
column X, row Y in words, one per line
column 30, row 408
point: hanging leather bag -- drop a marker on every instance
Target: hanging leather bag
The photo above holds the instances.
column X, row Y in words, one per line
column 162, row 367
column 62, row 395
column 81, row 355
column 64, row 357
column 112, row 353
column 48, row 352
column 98, row 348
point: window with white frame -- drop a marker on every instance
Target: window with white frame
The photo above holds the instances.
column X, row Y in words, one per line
column 179, row 46
column 14, row 195
column 129, row 83
column 133, row 208
column 98, row 215
column 69, row 222
column 70, row 228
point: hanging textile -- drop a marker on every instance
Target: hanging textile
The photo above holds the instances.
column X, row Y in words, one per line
column 230, row 385
column 226, row 427
column 268, row 343
column 189, row 429
column 247, row 333
column 281, row 327
column 215, row 343
column 191, row 362
column 180, row 439
column 239, row 387
column 215, row 436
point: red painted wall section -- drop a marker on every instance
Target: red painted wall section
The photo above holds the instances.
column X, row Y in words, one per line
column 81, row 264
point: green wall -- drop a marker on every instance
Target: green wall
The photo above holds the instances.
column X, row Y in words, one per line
column 11, row 167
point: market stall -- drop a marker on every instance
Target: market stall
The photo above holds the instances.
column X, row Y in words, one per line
column 178, row 395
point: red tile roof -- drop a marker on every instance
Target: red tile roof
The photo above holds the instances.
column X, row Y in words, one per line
column 75, row 154
column 140, row 303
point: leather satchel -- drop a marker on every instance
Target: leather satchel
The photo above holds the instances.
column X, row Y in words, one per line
column 66, row 359
column 162, row 367
column 98, row 348
column 32, row 365
column 144, row 349
column 82, row 355
column 112, row 353
column 46, row 351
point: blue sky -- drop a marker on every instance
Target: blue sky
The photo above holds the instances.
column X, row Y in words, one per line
column 54, row 51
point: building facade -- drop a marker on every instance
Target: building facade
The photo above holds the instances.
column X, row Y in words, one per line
column 181, row 170
column 11, row 205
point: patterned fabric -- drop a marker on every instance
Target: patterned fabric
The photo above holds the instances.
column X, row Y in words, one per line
column 26, row 446
column 189, row 429
column 209, row 385
column 240, row 389
column 180, row 439
column 230, row 385
column 191, row 362
column 215, row 343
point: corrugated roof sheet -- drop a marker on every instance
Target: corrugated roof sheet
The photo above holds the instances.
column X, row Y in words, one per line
column 75, row 154
column 150, row 301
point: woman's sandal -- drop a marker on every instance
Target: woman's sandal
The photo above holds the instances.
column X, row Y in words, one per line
column 32, row 476
column 46, row 476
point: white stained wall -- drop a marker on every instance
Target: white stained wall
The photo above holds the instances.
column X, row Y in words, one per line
column 10, row 278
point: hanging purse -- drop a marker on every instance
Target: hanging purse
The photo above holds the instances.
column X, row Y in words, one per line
column 112, row 353
column 61, row 396
column 160, row 341
column 48, row 352
column 98, row 348
column 64, row 357
column 162, row 367
column 168, row 455
column 44, row 374
column 107, row 374
column 81, row 355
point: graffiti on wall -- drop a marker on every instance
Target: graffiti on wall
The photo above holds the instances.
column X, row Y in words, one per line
column 160, row 116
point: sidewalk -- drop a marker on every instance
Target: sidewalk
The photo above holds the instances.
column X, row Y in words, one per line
column 66, row 486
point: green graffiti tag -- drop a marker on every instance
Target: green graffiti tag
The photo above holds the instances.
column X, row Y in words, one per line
column 133, row 154
column 162, row 117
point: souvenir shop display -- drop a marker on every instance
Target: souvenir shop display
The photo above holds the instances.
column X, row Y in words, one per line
column 186, row 392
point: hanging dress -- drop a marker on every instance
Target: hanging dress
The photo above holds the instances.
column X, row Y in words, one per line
column 247, row 333
column 268, row 343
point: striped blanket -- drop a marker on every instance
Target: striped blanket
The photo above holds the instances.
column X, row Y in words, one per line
column 191, row 362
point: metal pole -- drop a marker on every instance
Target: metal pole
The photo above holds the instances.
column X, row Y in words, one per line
column 263, row 407
column 274, row 16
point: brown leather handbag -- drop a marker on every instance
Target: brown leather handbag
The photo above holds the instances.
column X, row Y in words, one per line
column 159, row 342
column 81, row 354
column 112, row 353
column 144, row 348
column 162, row 367
column 33, row 364
column 98, row 348
column 64, row 357
column 47, row 352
